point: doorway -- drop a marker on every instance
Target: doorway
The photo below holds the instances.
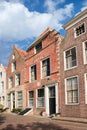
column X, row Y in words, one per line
column 52, row 100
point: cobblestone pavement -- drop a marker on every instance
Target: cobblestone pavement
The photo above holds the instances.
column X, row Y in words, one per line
column 18, row 122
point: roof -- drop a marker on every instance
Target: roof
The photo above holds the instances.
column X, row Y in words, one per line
column 76, row 19
column 44, row 34
column 3, row 67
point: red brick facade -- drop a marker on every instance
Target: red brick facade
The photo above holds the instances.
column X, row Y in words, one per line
column 50, row 48
column 74, row 109
column 17, row 56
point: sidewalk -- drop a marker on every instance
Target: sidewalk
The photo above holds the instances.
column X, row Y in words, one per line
column 71, row 119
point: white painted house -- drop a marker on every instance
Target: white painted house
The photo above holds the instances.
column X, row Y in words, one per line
column 3, row 85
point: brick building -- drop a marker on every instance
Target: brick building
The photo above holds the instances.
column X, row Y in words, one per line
column 15, row 79
column 73, row 69
column 43, row 73
column 3, row 85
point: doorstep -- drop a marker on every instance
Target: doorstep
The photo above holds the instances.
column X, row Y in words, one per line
column 71, row 119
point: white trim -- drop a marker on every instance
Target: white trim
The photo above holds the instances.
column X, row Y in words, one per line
column 76, row 22
column 47, row 97
column 66, row 90
column 85, row 87
column 84, row 56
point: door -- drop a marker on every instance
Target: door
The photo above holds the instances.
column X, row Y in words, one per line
column 52, row 100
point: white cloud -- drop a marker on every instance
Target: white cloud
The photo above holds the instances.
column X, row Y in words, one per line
column 51, row 4
column 18, row 23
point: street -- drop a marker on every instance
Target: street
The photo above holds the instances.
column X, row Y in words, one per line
column 18, row 122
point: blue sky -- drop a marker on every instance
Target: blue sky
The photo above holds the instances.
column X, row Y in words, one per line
column 21, row 21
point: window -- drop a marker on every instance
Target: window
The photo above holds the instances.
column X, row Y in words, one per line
column 38, row 47
column 13, row 66
column 46, row 67
column 19, row 99
column 9, row 101
column 85, row 52
column 10, row 82
column 31, row 99
column 40, row 97
column 80, row 30
column 13, row 56
column 33, row 73
column 2, row 86
column 72, row 90
column 0, row 74
column 70, row 58
column 17, row 80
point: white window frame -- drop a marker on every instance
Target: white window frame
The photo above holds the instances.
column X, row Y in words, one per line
column 20, row 99
column 65, row 80
column 41, row 68
column 77, row 27
column 16, row 80
column 29, row 100
column 84, row 56
column 64, row 54
column 10, row 82
column 40, row 98
column 13, row 67
column 85, row 75
column 30, row 73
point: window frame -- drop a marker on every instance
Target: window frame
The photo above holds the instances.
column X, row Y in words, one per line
column 78, row 27
column 13, row 66
column 65, row 66
column 10, row 82
column 17, row 79
column 48, row 71
column 66, row 102
column 20, row 99
column 37, row 50
column 85, row 77
column 41, row 98
column 32, row 98
column 84, row 55
column 35, row 73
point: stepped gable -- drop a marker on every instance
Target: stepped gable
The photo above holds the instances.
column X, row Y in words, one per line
column 21, row 52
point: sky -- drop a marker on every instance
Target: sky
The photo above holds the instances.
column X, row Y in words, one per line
column 22, row 21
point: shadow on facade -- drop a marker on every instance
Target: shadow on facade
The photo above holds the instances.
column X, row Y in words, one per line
column 34, row 126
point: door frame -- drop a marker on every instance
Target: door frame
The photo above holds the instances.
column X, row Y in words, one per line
column 47, row 97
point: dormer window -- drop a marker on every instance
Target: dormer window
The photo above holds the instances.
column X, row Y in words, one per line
column 79, row 30
column 38, row 47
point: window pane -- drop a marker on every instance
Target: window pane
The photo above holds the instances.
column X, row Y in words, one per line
column 71, row 60
column 40, row 98
column 72, row 90
column 33, row 73
column 46, row 67
column 31, row 99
